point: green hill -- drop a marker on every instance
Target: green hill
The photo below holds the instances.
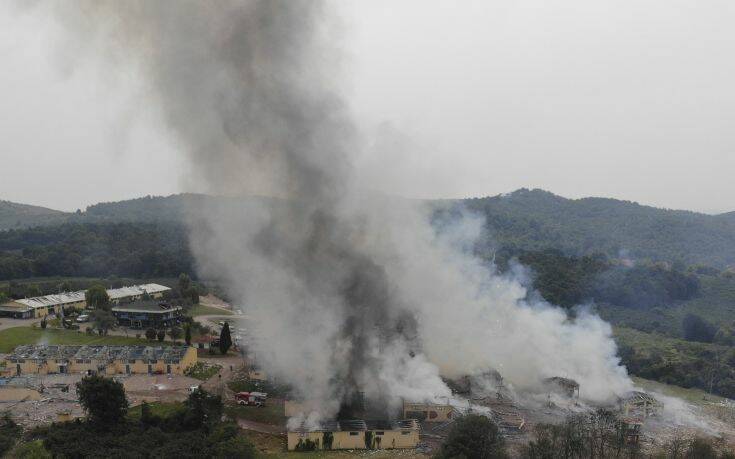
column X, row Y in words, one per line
column 13, row 216
column 525, row 220
column 538, row 220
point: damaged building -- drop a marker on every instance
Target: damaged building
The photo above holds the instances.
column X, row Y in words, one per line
column 640, row 405
column 428, row 412
column 355, row 434
column 108, row 360
column 566, row 387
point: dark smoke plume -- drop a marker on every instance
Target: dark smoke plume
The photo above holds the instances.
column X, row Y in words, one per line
column 351, row 295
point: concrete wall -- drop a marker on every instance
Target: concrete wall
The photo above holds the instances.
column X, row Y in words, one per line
column 394, row 439
column 381, row 439
column 427, row 412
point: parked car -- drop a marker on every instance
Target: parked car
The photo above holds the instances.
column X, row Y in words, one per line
column 83, row 318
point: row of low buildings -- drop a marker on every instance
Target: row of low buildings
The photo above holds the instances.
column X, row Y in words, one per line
column 28, row 308
column 360, row 434
column 106, row 360
column 355, row 434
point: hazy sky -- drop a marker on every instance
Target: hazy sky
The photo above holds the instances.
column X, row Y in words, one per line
column 626, row 99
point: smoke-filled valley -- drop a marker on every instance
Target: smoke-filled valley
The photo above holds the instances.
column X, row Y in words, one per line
column 354, row 298
column 352, row 293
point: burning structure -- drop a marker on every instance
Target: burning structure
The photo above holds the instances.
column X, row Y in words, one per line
column 569, row 388
column 640, row 405
column 428, row 412
column 354, row 434
column 354, row 293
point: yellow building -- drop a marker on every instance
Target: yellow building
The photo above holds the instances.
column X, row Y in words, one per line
column 355, row 434
column 108, row 360
column 428, row 412
column 41, row 306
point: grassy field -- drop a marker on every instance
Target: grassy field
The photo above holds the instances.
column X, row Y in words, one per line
column 694, row 396
column 201, row 310
column 271, row 413
column 157, row 409
column 12, row 337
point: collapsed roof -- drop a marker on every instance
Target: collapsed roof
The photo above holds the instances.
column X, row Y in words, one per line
column 99, row 353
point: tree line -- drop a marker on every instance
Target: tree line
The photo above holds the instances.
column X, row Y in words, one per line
column 96, row 250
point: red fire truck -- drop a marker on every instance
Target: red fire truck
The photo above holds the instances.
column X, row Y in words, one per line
column 251, row 398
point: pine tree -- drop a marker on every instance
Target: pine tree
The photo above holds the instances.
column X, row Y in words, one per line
column 225, row 340
column 187, row 335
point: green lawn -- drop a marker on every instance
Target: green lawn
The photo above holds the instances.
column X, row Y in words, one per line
column 695, row 396
column 201, row 310
column 271, row 413
column 157, row 409
column 12, row 337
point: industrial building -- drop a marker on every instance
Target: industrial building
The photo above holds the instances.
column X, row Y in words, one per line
column 136, row 292
column 40, row 306
column 147, row 314
column 355, row 434
column 429, row 412
column 108, row 360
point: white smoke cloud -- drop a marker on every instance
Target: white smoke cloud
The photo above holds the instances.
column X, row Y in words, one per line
column 348, row 291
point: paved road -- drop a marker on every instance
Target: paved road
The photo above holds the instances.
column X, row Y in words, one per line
column 6, row 322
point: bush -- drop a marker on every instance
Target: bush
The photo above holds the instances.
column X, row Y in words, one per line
column 103, row 399
column 9, row 433
column 697, row 329
column 31, row 450
column 473, row 437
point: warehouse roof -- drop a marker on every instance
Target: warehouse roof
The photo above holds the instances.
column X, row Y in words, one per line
column 146, row 307
column 136, row 290
column 76, row 297
column 51, row 300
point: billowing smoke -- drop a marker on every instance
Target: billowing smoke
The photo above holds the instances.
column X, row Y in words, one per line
column 350, row 293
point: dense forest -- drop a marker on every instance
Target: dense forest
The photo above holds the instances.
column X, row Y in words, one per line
column 525, row 220
column 95, row 250
column 538, row 220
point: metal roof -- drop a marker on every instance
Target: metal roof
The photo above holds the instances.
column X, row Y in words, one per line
column 146, row 307
column 76, row 297
column 53, row 300
column 638, row 396
column 136, row 290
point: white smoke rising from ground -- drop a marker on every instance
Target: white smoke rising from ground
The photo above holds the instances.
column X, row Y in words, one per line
column 349, row 292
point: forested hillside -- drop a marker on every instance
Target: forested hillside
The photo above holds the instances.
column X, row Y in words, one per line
column 663, row 278
column 95, row 250
column 538, row 220
column 13, row 215
column 525, row 220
